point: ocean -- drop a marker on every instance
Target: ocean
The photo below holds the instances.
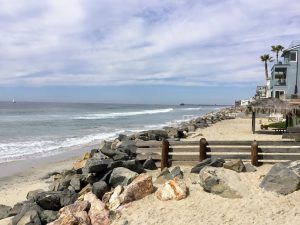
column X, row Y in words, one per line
column 31, row 130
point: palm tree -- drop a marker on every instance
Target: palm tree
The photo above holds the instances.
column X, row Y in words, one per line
column 266, row 58
column 277, row 49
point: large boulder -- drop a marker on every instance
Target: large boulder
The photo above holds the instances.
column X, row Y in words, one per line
column 157, row 135
column 128, row 147
column 172, row 189
column 121, row 176
column 207, row 162
column 222, row 182
column 98, row 213
column 99, row 188
column 138, row 188
column 236, row 165
column 4, row 211
column 96, row 165
column 282, row 178
column 164, row 176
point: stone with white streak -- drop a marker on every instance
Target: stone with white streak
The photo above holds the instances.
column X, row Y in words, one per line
column 172, row 189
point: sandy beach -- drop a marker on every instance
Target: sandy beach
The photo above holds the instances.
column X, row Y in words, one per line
column 256, row 206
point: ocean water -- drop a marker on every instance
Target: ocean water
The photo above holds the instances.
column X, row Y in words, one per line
column 30, row 130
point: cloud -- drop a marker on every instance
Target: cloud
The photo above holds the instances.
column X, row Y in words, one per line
column 185, row 43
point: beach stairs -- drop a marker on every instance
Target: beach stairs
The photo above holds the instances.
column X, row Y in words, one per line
column 171, row 153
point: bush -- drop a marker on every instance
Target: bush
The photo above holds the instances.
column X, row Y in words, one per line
column 279, row 125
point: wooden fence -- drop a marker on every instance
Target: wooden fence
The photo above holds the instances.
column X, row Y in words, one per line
column 190, row 152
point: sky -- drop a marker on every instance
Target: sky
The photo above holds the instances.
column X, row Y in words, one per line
column 138, row 51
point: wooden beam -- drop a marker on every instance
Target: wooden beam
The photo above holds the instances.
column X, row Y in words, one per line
column 164, row 154
column 202, row 149
column 254, row 153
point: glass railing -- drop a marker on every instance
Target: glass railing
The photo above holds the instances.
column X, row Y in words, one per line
column 279, row 82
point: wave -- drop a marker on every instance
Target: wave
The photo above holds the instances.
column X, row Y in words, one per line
column 121, row 114
column 22, row 150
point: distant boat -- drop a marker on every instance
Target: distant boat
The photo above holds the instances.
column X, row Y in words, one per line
column 13, row 101
column 181, row 104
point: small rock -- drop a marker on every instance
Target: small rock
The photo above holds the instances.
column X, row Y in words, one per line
column 86, row 189
column 207, row 162
column 115, row 201
column 75, row 183
column 121, row 176
column 235, row 165
column 249, row 168
column 99, row 188
column 176, row 172
column 172, row 189
column 164, row 176
column 149, row 164
column 133, row 165
column 4, row 211
column 96, row 165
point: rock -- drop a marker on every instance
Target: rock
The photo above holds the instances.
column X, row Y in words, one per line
column 281, row 179
column 16, row 209
column 171, row 131
column 48, row 175
column 157, row 135
column 106, row 197
column 76, row 207
column 149, row 164
column 27, row 206
column 74, row 214
column 176, row 172
column 49, row 200
column 76, row 183
column 86, row 189
column 220, row 182
column 97, row 213
column 115, row 154
column 236, row 165
column 249, row 168
column 138, row 188
column 115, row 201
column 4, row 211
column 96, row 165
column 54, row 200
column 172, row 189
column 133, row 165
column 81, row 162
column 31, row 195
column 78, row 218
column 207, row 162
column 121, row 176
column 105, row 145
column 99, row 188
column 128, row 147
column 164, row 176
column 48, row 216
column 31, row 217
column 115, row 143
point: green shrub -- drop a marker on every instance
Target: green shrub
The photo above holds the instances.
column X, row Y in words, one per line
column 279, row 125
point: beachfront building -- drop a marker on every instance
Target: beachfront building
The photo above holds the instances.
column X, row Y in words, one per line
column 285, row 77
column 261, row 92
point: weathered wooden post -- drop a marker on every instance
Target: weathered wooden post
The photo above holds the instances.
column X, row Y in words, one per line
column 254, row 153
column 164, row 154
column 253, row 122
column 202, row 149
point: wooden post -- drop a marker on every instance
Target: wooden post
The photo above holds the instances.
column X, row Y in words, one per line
column 254, row 153
column 253, row 122
column 202, row 149
column 164, row 154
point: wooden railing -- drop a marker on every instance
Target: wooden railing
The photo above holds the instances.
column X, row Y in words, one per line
column 190, row 152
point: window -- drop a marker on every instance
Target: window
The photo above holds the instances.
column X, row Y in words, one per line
column 279, row 94
column 293, row 56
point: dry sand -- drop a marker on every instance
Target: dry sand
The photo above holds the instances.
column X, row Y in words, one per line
column 257, row 207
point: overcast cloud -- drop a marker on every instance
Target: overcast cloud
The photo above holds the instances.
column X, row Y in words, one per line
column 120, row 42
